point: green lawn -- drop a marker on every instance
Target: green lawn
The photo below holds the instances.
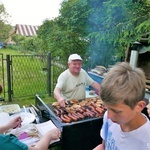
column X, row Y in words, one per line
column 26, row 100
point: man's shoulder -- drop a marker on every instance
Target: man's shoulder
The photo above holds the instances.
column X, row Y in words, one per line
column 85, row 74
column 83, row 71
column 64, row 73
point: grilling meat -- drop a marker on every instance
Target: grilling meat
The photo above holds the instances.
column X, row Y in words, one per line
column 79, row 110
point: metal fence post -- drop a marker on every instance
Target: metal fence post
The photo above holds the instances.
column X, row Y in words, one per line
column 9, row 77
column 49, row 74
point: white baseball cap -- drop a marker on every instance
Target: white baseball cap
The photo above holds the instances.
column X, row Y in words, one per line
column 74, row 57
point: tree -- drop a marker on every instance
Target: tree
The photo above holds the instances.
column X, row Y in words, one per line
column 113, row 25
column 5, row 28
column 65, row 35
column 98, row 30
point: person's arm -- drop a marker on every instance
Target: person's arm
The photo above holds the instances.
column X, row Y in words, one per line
column 59, row 97
column 44, row 143
column 96, row 87
column 100, row 146
column 14, row 123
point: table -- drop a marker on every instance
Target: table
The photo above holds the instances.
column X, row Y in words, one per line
column 41, row 120
column 89, row 95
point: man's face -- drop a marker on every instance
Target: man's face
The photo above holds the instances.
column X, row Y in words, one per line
column 121, row 113
column 75, row 66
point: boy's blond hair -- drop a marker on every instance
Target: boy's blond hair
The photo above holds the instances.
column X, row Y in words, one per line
column 123, row 84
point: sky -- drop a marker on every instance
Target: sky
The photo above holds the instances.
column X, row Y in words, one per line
column 31, row 12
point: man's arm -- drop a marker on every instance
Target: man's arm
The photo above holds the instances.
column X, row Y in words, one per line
column 96, row 86
column 59, row 97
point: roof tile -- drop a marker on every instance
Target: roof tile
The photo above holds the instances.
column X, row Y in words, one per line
column 26, row 30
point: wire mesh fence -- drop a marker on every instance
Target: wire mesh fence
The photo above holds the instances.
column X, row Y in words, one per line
column 58, row 66
column 28, row 75
column 2, row 81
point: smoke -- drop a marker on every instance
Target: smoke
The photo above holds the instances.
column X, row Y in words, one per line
column 103, row 24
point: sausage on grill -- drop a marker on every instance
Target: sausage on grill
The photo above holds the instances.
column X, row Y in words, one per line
column 72, row 117
column 64, row 119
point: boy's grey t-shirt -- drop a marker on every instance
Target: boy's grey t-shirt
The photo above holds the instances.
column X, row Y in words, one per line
column 115, row 139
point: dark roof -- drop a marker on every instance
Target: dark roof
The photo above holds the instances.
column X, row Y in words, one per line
column 26, row 30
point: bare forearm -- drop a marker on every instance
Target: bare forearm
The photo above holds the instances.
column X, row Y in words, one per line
column 57, row 94
column 44, row 143
column 3, row 129
column 96, row 87
column 14, row 123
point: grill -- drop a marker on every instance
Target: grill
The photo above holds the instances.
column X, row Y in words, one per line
column 81, row 135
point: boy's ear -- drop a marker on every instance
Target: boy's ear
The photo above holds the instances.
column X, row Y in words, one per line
column 140, row 105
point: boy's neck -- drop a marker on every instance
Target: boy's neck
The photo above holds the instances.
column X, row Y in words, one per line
column 134, row 124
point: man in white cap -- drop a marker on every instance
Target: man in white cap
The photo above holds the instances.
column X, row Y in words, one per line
column 71, row 83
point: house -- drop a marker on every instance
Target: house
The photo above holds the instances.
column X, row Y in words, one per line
column 25, row 30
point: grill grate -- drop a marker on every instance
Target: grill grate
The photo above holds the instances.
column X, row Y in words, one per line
column 83, row 134
column 79, row 110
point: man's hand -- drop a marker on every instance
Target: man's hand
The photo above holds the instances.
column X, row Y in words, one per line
column 58, row 96
column 62, row 102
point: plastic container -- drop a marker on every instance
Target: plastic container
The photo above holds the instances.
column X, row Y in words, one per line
column 11, row 109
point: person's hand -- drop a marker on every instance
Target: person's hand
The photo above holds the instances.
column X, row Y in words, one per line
column 55, row 134
column 43, row 144
column 15, row 122
column 62, row 102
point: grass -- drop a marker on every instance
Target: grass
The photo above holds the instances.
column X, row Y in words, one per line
column 23, row 83
column 28, row 77
column 26, row 101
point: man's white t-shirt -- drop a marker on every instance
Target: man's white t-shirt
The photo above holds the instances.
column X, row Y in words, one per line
column 116, row 139
column 73, row 87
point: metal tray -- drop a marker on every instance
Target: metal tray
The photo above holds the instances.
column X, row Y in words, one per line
column 11, row 109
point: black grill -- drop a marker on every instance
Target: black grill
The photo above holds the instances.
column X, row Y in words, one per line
column 80, row 135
